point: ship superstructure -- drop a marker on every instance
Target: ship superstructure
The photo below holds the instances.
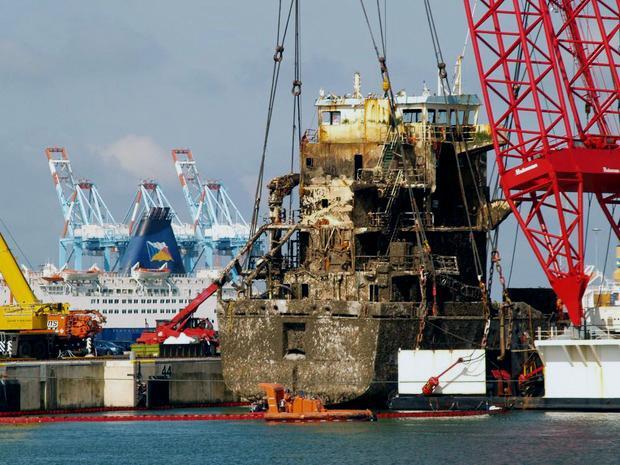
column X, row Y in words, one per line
column 391, row 236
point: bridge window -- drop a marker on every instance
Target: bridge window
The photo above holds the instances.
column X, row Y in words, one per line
column 330, row 117
column 442, row 117
column 412, row 116
column 462, row 117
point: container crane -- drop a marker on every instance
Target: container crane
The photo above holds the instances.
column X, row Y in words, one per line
column 549, row 72
column 34, row 329
column 89, row 227
column 216, row 219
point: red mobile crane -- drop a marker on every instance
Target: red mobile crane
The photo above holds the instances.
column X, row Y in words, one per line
column 180, row 324
column 549, row 72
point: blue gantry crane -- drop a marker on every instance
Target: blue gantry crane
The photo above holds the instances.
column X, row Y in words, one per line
column 216, row 219
column 89, row 227
column 217, row 231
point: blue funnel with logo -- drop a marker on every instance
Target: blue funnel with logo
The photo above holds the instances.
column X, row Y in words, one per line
column 153, row 246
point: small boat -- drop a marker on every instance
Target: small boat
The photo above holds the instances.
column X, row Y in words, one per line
column 49, row 273
column 78, row 275
column 54, row 278
column 282, row 406
column 138, row 272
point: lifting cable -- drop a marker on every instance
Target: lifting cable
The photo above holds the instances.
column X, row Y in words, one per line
column 382, row 25
column 446, row 92
column 275, row 74
column 494, row 239
column 384, row 70
column 475, row 177
column 421, row 237
column 519, row 76
column 296, row 91
column 420, row 231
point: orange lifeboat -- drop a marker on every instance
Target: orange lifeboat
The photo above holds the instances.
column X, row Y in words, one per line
column 281, row 406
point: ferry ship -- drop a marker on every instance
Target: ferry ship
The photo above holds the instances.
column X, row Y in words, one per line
column 151, row 284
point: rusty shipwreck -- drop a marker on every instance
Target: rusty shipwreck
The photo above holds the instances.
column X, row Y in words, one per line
column 388, row 251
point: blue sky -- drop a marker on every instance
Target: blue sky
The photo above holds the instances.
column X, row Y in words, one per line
column 120, row 83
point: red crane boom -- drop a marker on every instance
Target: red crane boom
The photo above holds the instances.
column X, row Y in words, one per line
column 550, row 80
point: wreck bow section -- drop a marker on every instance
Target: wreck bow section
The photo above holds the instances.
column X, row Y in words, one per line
column 390, row 234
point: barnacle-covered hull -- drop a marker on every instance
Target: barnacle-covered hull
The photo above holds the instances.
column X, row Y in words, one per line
column 341, row 351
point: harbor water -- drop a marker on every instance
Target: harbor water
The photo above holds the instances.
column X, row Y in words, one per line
column 514, row 438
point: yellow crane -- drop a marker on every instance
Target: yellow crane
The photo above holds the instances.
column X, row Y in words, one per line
column 31, row 328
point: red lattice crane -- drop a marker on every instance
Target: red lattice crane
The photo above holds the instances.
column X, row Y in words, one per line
column 549, row 75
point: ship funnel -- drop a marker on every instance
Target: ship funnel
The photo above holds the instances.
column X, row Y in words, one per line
column 357, row 85
column 153, row 245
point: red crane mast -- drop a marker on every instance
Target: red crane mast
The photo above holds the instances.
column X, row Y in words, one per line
column 549, row 71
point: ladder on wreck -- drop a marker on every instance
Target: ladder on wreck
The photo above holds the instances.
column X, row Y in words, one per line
column 394, row 191
column 381, row 217
column 390, row 147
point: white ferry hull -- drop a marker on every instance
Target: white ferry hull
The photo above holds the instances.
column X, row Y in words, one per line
column 129, row 304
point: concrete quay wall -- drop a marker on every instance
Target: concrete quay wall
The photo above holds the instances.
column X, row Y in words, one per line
column 95, row 383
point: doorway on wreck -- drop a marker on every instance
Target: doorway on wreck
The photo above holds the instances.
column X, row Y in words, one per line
column 405, row 289
column 293, row 340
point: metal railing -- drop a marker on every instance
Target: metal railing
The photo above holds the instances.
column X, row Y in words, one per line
column 407, row 219
column 428, row 132
column 379, row 176
column 443, row 264
column 564, row 331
